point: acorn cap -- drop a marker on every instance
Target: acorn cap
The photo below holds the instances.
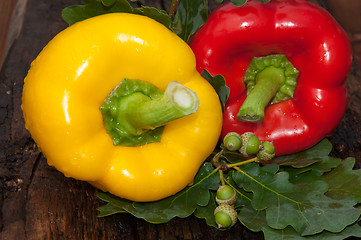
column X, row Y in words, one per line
column 250, row 144
column 224, row 197
column 232, row 141
column 225, row 216
column 267, row 151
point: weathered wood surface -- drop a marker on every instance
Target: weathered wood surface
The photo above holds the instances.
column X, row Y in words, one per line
column 11, row 19
column 38, row 202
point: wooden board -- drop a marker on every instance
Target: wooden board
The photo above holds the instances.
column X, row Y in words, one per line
column 38, row 202
column 11, row 21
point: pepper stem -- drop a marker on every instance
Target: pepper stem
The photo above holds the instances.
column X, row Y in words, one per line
column 268, row 83
column 135, row 111
column 269, row 80
column 177, row 102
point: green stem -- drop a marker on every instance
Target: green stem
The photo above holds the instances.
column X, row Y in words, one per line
column 139, row 115
column 243, row 162
column 221, row 177
column 269, row 79
column 215, row 160
column 269, row 82
column 135, row 111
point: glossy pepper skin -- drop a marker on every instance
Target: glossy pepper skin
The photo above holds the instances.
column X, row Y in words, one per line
column 311, row 40
column 68, row 82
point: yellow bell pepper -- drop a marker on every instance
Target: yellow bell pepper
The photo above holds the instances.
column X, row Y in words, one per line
column 74, row 75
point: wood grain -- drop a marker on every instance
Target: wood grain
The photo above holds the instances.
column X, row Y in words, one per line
column 11, row 21
column 38, row 202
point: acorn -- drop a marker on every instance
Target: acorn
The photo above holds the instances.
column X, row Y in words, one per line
column 232, row 141
column 267, row 151
column 226, row 195
column 225, row 216
column 250, row 144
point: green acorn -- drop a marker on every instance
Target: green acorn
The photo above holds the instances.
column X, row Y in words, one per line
column 232, row 141
column 250, row 144
column 226, row 195
column 225, row 216
column 267, row 151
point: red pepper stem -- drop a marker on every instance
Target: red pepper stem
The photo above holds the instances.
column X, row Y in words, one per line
column 268, row 83
column 269, row 79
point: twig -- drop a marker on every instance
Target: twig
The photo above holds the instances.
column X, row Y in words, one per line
column 173, row 8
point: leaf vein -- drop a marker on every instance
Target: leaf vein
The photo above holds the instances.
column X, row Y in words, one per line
column 270, row 189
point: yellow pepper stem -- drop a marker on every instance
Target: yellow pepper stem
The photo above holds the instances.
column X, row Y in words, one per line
column 177, row 101
column 135, row 110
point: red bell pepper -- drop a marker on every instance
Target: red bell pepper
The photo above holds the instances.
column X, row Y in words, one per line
column 309, row 38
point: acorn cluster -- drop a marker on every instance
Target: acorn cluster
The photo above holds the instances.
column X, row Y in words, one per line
column 248, row 144
column 225, row 214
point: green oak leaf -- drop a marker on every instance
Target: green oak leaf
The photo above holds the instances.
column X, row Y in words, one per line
column 110, row 208
column 219, row 84
column 256, row 221
column 190, row 16
column 238, row 2
column 303, row 206
column 253, row 219
column 232, row 156
column 183, row 204
column 242, row 2
column 317, row 153
column 207, row 212
column 309, row 173
column 289, row 233
column 92, row 8
column 344, row 182
column 309, row 164
column 108, row 3
column 243, row 197
column 154, row 13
